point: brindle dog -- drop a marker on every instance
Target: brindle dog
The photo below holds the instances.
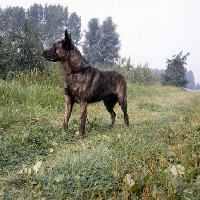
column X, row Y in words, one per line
column 85, row 84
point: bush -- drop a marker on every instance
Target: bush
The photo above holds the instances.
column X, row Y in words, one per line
column 139, row 75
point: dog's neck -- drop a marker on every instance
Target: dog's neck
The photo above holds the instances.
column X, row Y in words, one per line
column 74, row 62
column 66, row 67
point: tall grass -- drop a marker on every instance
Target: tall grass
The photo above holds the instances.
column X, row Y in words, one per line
column 156, row 158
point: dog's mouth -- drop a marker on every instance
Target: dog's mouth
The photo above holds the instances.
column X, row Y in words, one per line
column 50, row 58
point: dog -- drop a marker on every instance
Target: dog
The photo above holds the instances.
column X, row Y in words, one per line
column 84, row 84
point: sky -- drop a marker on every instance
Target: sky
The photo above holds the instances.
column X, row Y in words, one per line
column 150, row 30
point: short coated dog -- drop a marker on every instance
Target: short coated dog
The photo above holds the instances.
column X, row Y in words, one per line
column 84, row 84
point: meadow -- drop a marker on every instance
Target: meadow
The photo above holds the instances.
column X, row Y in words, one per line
column 157, row 157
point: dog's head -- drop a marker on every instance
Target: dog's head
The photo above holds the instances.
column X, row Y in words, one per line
column 59, row 50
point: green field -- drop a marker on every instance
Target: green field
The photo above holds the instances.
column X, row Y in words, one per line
column 156, row 158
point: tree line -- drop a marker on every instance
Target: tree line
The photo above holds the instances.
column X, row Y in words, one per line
column 25, row 33
column 49, row 20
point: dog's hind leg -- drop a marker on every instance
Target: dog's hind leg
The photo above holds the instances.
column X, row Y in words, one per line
column 68, row 110
column 123, row 104
column 110, row 102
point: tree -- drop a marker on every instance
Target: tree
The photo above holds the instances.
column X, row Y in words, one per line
column 23, row 35
column 175, row 72
column 143, row 75
column 197, row 86
column 74, row 25
column 50, row 20
column 101, row 45
column 109, row 42
column 14, row 17
column 4, row 50
column 29, row 48
column 90, row 46
column 20, row 50
column 55, row 23
column 36, row 16
column 191, row 81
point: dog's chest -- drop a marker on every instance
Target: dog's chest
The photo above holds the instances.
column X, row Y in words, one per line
column 77, row 88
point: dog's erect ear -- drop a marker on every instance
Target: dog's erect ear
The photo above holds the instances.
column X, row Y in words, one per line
column 67, row 43
column 66, row 34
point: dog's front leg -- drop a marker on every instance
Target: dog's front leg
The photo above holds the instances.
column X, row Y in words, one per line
column 83, row 119
column 68, row 110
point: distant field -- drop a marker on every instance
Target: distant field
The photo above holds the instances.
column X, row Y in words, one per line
column 156, row 158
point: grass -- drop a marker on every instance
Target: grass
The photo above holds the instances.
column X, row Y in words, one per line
column 156, row 158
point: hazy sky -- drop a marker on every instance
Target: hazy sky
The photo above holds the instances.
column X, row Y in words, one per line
column 150, row 30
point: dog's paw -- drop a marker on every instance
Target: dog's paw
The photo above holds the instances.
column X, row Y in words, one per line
column 64, row 130
column 80, row 136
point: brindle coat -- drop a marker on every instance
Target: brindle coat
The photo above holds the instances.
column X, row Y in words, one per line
column 85, row 84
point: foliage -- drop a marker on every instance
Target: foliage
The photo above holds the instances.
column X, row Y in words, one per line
column 157, row 157
column 139, row 75
column 30, row 48
column 14, row 18
column 143, row 75
column 74, row 25
column 91, row 48
column 50, row 20
column 4, row 51
column 36, row 16
column 197, row 86
column 55, row 23
column 189, row 76
column 102, row 44
column 21, row 50
column 109, row 42
column 175, row 72
column 24, row 34
column 191, row 81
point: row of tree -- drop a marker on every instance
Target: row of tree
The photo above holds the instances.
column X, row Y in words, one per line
column 50, row 20
column 25, row 33
column 175, row 73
